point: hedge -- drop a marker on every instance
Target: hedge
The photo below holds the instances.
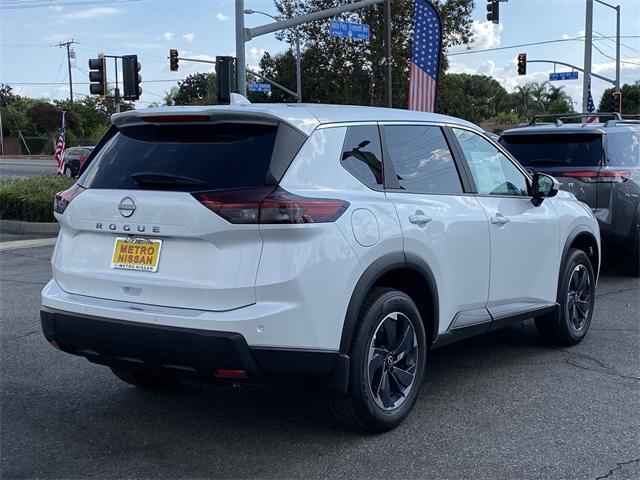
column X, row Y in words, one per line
column 30, row 199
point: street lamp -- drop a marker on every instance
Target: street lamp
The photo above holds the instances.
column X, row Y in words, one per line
column 297, row 37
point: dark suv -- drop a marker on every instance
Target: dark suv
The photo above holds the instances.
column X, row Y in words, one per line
column 597, row 162
column 74, row 158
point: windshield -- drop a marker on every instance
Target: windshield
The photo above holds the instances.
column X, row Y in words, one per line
column 555, row 150
column 210, row 156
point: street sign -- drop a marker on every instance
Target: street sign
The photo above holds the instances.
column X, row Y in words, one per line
column 357, row 31
column 260, row 87
column 563, row 76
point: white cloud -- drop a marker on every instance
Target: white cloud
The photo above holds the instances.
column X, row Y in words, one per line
column 168, row 36
column 255, row 53
column 93, row 12
column 221, row 17
column 485, row 35
column 188, row 37
column 55, row 8
column 57, row 37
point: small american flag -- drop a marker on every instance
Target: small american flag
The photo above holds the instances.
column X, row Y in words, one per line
column 425, row 58
column 590, row 105
column 59, row 155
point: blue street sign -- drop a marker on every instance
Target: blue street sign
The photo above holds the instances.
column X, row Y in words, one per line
column 563, row 76
column 260, row 87
column 357, row 31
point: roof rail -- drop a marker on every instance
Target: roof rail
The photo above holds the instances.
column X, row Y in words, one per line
column 558, row 117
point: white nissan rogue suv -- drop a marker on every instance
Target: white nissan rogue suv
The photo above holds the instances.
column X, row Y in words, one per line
column 328, row 244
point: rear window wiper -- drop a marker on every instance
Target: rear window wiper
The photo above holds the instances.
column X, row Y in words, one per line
column 151, row 179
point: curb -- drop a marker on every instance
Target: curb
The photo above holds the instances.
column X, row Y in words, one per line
column 20, row 244
column 19, row 227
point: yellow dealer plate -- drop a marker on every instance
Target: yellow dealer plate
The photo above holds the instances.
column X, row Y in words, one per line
column 131, row 253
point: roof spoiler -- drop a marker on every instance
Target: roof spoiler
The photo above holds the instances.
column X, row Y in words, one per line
column 558, row 117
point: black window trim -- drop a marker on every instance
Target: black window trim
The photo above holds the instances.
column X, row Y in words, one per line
column 502, row 150
column 390, row 176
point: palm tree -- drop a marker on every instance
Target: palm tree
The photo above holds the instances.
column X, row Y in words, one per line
column 539, row 95
column 523, row 95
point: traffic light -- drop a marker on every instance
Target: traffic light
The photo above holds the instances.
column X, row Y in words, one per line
column 224, row 78
column 173, row 60
column 98, row 76
column 616, row 101
column 131, row 78
column 522, row 64
column 493, row 11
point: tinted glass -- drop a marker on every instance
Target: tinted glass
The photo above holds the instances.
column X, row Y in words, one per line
column 493, row 173
column 623, row 149
column 555, row 150
column 221, row 156
column 421, row 159
column 362, row 154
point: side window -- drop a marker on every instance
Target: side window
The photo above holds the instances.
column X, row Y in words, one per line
column 493, row 173
column 362, row 154
column 422, row 159
column 623, row 149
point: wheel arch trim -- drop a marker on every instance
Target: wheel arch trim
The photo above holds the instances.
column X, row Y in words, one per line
column 576, row 232
column 375, row 271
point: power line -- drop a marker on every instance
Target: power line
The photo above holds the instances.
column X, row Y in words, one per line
column 506, row 47
column 87, row 83
column 614, row 59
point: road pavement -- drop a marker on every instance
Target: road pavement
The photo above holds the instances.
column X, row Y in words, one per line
column 20, row 167
column 501, row 406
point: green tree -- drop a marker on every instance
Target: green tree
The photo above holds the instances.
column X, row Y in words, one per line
column 630, row 99
column 336, row 70
column 196, row 89
column 472, row 97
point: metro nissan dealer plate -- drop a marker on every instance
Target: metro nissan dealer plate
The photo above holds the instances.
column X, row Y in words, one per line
column 131, row 253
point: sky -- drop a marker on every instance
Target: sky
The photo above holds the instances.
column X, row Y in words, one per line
column 202, row 29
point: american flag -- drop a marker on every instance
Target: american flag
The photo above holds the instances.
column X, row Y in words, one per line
column 59, row 155
column 425, row 58
column 590, row 105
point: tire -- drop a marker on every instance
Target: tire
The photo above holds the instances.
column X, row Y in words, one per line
column 634, row 268
column 575, row 299
column 143, row 380
column 395, row 374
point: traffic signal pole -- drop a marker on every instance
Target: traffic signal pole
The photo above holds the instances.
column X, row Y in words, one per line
column 244, row 35
column 588, row 47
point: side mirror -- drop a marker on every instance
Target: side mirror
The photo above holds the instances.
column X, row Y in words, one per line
column 544, row 186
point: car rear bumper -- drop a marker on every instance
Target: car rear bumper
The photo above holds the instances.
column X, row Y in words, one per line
column 186, row 353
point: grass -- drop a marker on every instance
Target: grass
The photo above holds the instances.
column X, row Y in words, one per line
column 30, row 199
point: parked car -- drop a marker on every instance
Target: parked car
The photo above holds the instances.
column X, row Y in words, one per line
column 599, row 163
column 331, row 244
column 74, row 158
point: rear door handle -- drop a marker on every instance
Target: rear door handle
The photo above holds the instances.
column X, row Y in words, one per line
column 419, row 219
column 499, row 219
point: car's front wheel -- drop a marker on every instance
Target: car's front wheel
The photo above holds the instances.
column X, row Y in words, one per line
column 388, row 356
column 576, row 296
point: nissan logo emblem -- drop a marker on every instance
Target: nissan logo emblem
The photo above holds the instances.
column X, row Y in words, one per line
column 127, row 206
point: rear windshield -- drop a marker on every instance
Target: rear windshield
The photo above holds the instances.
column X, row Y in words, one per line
column 558, row 150
column 213, row 156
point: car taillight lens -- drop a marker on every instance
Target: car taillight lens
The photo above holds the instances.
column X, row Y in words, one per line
column 267, row 205
column 63, row 199
column 603, row 176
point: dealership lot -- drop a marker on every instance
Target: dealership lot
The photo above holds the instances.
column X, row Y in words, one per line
column 499, row 406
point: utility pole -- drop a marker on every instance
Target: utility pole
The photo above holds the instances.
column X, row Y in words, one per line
column 70, row 54
column 388, row 64
column 116, row 91
column 244, row 35
column 588, row 46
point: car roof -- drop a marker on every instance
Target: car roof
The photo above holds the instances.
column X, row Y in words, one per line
column 304, row 117
column 550, row 128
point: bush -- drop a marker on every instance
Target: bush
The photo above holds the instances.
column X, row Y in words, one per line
column 30, row 199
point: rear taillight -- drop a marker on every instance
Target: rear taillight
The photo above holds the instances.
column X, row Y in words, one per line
column 603, row 176
column 63, row 199
column 81, row 161
column 270, row 206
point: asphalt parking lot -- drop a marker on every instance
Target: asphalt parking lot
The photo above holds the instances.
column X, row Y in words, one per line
column 499, row 406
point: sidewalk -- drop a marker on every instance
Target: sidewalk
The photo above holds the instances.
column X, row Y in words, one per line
column 13, row 241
